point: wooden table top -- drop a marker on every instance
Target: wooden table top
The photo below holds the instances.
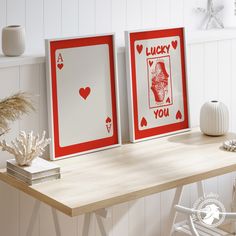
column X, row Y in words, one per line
column 98, row 180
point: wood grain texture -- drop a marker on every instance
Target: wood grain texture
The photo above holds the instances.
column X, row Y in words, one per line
column 106, row 178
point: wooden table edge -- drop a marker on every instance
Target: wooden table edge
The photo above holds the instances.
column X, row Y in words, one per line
column 35, row 194
column 79, row 210
column 151, row 190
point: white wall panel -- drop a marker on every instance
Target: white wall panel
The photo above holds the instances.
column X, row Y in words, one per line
column 52, row 18
column 211, row 185
column 119, row 19
column 163, row 13
column 9, row 210
column 121, row 220
column 134, row 14
column 167, row 198
column 69, row 15
column 103, row 17
column 16, row 12
column 3, row 17
column 86, row 17
column 136, row 217
column 225, row 184
column 211, row 78
column 177, row 13
column 153, row 215
column 34, row 25
column 224, row 64
column 149, row 13
column 196, row 82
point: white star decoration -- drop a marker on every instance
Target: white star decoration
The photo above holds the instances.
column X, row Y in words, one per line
column 211, row 19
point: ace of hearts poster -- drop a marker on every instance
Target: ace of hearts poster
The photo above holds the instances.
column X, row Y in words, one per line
column 82, row 95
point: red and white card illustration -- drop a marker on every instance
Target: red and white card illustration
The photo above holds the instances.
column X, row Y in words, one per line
column 83, row 96
column 157, row 86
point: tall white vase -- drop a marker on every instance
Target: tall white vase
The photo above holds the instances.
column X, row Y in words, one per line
column 214, row 118
column 13, row 40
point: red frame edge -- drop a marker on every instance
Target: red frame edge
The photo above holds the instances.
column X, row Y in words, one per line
column 60, row 152
column 152, row 132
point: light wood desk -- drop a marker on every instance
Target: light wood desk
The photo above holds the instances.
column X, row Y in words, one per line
column 93, row 182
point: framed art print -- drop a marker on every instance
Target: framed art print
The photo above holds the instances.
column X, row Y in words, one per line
column 82, row 95
column 157, row 82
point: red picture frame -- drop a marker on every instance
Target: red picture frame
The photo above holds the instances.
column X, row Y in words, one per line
column 157, row 83
column 56, row 64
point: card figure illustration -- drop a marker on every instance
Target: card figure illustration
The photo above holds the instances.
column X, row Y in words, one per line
column 160, row 85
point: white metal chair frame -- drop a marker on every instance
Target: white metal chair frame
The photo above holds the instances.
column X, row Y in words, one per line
column 190, row 212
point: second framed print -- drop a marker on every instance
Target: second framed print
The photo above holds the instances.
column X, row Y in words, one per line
column 157, row 83
column 82, row 95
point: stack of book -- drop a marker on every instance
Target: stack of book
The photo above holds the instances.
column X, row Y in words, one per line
column 40, row 171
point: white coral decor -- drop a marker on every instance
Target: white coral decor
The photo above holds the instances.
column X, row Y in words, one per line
column 26, row 147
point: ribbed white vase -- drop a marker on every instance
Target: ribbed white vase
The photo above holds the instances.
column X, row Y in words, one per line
column 214, row 118
column 13, row 40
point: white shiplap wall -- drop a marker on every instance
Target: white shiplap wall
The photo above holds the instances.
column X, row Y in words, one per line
column 51, row 18
column 211, row 76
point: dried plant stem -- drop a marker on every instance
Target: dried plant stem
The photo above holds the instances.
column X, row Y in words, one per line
column 12, row 108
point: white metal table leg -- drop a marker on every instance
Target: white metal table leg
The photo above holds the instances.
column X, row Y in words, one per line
column 56, row 222
column 102, row 213
column 33, row 218
column 173, row 214
column 101, row 225
column 176, row 201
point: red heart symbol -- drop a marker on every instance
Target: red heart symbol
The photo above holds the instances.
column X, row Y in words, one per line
column 168, row 100
column 143, row 122
column 108, row 120
column 178, row 115
column 150, row 63
column 60, row 65
column 174, row 44
column 139, row 48
column 84, row 92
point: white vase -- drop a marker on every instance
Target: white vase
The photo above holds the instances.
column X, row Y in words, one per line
column 13, row 40
column 214, row 118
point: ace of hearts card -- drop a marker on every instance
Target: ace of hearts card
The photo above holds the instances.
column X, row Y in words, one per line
column 157, row 83
column 82, row 95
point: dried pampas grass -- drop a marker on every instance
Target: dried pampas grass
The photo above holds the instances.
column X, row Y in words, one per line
column 12, row 108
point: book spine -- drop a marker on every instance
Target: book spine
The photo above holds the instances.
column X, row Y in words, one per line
column 41, row 180
column 13, row 167
column 32, row 181
column 35, row 175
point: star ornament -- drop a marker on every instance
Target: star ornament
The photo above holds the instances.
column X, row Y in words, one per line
column 211, row 19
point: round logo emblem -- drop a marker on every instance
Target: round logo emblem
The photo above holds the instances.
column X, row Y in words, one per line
column 210, row 211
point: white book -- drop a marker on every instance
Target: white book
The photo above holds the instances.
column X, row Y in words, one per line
column 35, row 180
column 38, row 169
